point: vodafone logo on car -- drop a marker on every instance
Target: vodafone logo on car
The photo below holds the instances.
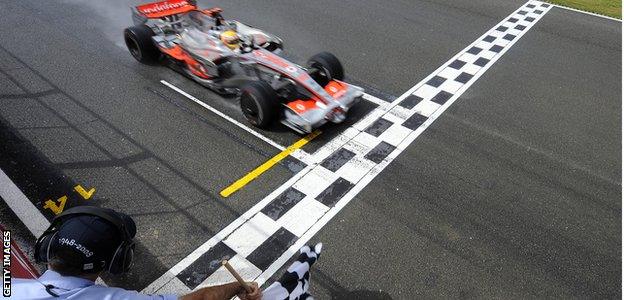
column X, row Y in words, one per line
column 162, row 6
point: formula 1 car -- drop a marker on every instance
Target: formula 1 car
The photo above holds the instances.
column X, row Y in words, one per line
column 230, row 57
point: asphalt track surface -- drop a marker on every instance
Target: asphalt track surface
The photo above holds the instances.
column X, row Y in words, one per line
column 514, row 192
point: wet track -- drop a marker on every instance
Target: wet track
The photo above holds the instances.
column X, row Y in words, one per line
column 513, row 192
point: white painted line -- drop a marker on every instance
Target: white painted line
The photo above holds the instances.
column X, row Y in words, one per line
column 303, row 156
column 22, row 207
column 355, row 169
column 175, row 287
column 251, row 235
column 222, row 115
column 373, row 99
column 399, row 112
column 334, row 144
column 586, row 12
column 315, row 181
column 369, row 118
column 302, row 216
column 222, row 276
column 395, row 134
column 361, row 144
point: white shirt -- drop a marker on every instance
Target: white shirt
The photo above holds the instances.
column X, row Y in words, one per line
column 67, row 287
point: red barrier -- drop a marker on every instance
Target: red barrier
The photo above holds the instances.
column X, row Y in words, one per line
column 20, row 265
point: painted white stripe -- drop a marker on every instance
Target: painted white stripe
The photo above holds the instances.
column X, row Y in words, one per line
column 222, row 276
column 302, row 216
column 175, row 287
column 21, row 206
column 224, row 116
column 303, row 156
column 399, row 112
column 335, row 144
column 369, row 119
column 361, row 144
column 373, row 99
column 586, row 12
column 395, row 134
column 315, row 181
column 355, row 169
column 452, row 86
column 251, row 235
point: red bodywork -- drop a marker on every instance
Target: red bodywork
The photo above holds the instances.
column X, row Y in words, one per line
column 20, row 265
column 193, row 65
column 335, row 88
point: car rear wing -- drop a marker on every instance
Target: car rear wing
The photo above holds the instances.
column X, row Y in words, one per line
column 162, row 9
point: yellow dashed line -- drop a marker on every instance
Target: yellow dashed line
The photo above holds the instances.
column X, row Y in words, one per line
column 267, row 165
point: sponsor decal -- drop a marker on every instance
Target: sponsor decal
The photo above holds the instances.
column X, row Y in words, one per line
column 301, row 106
column 6, row 263
column 336, row 89
column 162, row 6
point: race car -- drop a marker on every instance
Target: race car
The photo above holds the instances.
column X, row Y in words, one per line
column 230, row 57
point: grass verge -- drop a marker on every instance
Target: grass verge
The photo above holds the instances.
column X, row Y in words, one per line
column 611, row 8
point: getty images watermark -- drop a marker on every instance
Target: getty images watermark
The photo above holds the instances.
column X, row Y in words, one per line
column 6, row 263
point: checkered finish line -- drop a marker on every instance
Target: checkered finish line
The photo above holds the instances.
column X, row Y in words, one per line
column 262, row 240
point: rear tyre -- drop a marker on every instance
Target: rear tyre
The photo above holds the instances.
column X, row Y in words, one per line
column 327, row 67
column 139, row 42
column 258, row 103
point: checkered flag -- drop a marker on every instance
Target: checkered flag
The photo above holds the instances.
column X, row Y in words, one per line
column 295, row 283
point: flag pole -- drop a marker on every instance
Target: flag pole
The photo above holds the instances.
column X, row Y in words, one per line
column 240, row 280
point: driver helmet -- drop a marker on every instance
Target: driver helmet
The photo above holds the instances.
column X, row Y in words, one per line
column 230, row 38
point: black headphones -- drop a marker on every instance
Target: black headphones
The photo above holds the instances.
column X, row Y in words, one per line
column 120, row 262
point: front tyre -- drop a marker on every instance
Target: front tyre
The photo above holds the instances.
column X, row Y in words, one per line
column 139, row 42
column 258, row 103
column 327, row 68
